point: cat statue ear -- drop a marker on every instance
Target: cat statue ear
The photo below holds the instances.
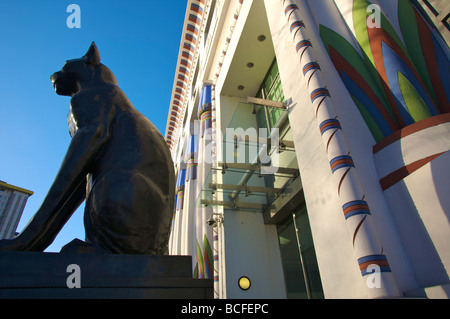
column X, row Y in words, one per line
column 92, row 55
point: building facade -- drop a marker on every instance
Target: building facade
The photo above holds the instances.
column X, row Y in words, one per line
column 12, row 203
column 311, row 142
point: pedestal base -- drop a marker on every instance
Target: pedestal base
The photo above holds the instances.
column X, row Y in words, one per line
column 49, row 276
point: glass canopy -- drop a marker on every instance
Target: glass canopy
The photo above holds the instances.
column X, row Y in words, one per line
column 256, row 167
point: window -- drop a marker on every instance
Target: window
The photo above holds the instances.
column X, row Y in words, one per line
column 270, row 89
column 208, row 23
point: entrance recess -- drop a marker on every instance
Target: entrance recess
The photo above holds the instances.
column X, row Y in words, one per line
column 298, row 256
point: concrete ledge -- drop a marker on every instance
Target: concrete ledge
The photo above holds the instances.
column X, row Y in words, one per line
column 434, row 292
column 45, row 275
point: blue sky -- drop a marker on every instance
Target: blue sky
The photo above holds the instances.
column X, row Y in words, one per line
column 137, row 39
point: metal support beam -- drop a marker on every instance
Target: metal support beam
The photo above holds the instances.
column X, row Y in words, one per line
column 262, row 140
column 255, row 100
column 257, row 167
column 233, row 205
column 252, row 189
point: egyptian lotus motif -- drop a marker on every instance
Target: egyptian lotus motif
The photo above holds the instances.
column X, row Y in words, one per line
column 394, row 79
column 203, row 268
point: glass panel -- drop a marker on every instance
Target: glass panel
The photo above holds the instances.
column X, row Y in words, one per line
column 290, row 259
column 271, row 89
column 308, row 252
column 276, row 94
column 302, row 278
column 261, row 118
column 248, row 189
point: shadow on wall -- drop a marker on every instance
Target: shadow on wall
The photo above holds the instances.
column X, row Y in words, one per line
column 420, row 206
column 441, row 176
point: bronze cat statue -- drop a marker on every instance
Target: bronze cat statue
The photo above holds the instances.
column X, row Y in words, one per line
column 117, row 161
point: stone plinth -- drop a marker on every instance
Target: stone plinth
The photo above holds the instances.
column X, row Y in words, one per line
column 48, row 275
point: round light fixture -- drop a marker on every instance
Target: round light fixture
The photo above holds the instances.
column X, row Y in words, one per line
column 250, row 65
column 244, row 283
column 240, row 87
column 261, row 38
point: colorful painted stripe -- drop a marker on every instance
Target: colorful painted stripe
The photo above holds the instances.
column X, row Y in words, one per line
column 297, row 24
column 355, row 207
column 181, row 85
column 380, row 261
column 176, row 105
column 196, row 8
column 329, row 124
column 192, row 28
column 319, row 93
column 187, row 55
column 191, row 38
column 189, row 47
column 206, row 120
column 185, row 63
column 195, row 19
column 290, row 8
column 310, row 66
column 340, row 162
column 182, row 77
column 303, row 44
column 191, row 167
column 180, row 196
column 183, row 70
